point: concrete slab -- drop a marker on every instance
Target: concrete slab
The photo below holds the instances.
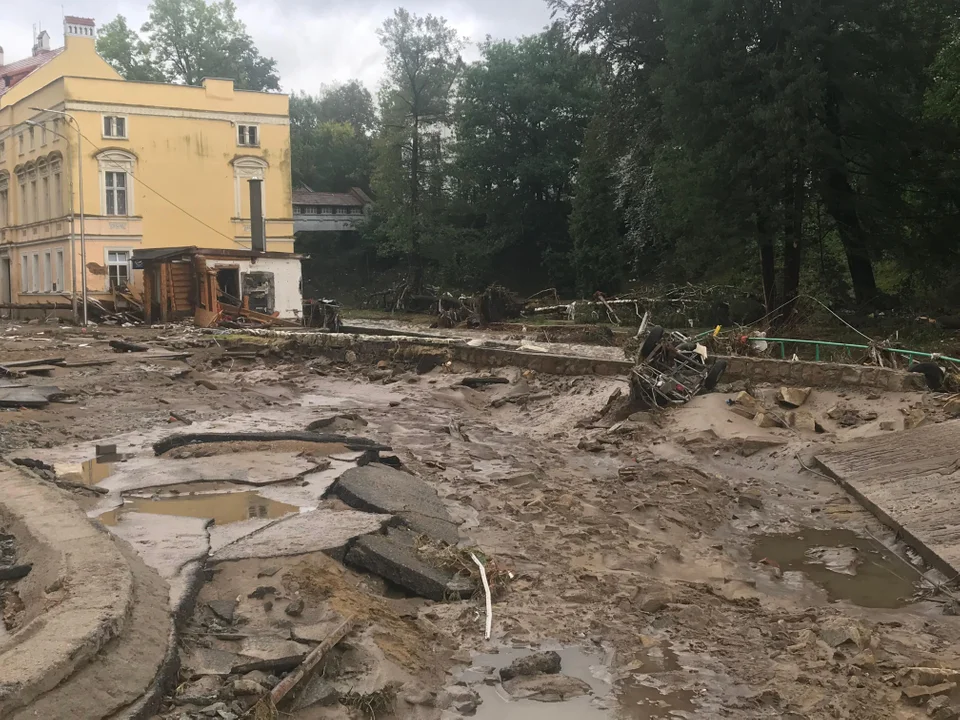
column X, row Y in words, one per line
column 326, row 531
column 911, row 482
column 379, row 488
column 167, row 543
column 394, row 558
column 250, row 468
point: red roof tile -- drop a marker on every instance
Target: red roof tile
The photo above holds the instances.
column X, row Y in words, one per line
column 14, row 72
column 73, row 20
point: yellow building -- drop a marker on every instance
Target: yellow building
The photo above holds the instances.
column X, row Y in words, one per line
column 162, row 166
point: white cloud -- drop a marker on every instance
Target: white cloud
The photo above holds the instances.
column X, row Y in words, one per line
column 315, row 42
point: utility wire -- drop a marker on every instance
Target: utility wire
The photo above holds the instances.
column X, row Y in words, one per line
column 168, row 200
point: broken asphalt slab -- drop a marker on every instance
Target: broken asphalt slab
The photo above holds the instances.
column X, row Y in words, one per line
column 325, row 531
column 394, row 557
column 352, row 443
column 379, row 488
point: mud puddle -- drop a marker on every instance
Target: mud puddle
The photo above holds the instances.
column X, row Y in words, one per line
column 222, row 508
column 641, row 696
column 91, row 472
column 845, row 565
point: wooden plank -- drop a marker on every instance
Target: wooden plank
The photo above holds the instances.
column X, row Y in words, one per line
column 28, row 363
column 234, row 311
column 911, row 482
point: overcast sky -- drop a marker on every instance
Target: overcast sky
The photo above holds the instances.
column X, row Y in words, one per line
column 314, row 42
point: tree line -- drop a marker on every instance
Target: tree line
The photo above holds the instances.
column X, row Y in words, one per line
column 784, row 146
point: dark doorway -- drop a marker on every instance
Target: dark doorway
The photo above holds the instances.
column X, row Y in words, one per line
column 229, row 281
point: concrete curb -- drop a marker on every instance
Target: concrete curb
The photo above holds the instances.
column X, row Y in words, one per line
column 79, row 596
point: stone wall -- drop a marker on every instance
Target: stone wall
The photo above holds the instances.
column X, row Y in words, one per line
column 820, row 374
column 371, row 348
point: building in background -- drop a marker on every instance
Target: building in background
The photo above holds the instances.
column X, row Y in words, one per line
column 329, row 212
column 164, row 166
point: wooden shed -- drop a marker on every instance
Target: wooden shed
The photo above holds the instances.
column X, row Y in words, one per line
column 179, row 282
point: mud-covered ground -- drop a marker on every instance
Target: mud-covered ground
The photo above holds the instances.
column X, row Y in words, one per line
column 683, row 563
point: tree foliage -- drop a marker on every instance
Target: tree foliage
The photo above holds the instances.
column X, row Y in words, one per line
column 185, row 41
column 330, row 137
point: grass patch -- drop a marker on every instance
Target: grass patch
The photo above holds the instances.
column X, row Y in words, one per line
column 371, row 705
column 457, row 560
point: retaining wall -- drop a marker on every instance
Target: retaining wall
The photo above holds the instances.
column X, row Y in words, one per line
column 410, row 349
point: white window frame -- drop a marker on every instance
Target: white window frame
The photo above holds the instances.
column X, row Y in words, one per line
column 107, row 264
column 35, row 273
column 56, row 172
column 244, row 169
column 24, row 273
column 4, row 198
column 59, row 270
column 20, row 142
column 3, row 150
column 121, row 162
column 33, row 137
column 43, row 134
column 243, row 135
column 47, row 271
column 111, row 121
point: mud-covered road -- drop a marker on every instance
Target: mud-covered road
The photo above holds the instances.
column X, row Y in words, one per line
column 683, row 564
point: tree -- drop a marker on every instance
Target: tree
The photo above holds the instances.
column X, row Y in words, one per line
column 349, row 103
column 423, row 63
column 521, row 116
column 188, row 40
column 120, row 46
column 597, row 245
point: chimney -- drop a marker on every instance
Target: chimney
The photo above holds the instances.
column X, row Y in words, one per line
column 258, row 239
column 42, row 44
column 79, row 27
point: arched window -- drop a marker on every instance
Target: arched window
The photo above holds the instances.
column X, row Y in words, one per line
column 244, row 169
column 116, row 182
column 33, row 202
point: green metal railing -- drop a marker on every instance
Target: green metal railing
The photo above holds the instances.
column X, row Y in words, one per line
column 848, row 347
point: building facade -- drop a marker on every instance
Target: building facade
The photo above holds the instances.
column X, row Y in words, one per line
column 154, row 166
column 329, row 212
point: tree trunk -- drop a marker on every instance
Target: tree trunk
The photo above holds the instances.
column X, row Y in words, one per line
column 840, row 200
column 794, row 197
column 415, row 257
column 768, row 263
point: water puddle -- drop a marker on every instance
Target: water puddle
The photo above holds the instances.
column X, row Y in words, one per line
column 639, row 697
column 223, row 508
column 90, row 472
column 845, row 565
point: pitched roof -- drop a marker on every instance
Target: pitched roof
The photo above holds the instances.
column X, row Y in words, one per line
column 350, row 199
column 74, row 20
column 14, row 72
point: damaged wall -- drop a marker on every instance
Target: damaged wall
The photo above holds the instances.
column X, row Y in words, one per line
column 286, row 279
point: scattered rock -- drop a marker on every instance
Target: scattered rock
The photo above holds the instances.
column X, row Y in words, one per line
column 202, row 692
column 888, row 426
column 793, row 397
column 350, row 356
column 261, row 592
column 655, row 601
column 750, row 499
column 748, row 402
column 546, row 688
column 214, row 710
column 838, row 631
column 223, row 609
column 754, row 444
column 952, row 406
column 247, row 687
column 317, row 691
column 459, row 697
column 295, row 608
column 765, row 419
column 802, row 420
column 929, row 676
column 914, row 419
column 915, row 692
column 542, row 663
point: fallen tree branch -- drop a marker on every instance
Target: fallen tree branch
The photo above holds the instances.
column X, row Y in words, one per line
column 310, row 662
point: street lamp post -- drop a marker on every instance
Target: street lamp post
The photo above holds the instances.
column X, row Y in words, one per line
column 83, row 237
